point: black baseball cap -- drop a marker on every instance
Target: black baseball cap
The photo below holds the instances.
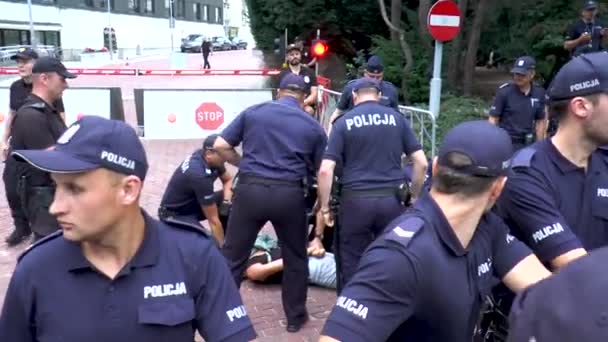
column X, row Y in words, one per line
column 291, row 47
column 374, row 65
column 51, row 64
column 91, row 143
column 583, row 75
column 25, row 53
column 487, row 146
column 209, row 142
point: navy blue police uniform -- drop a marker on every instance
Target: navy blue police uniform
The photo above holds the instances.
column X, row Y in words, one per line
column 389, row 93
column 368, row 142
column 282, row 146
column 191, row 187
column 518, row 112
column 593, row 27
column 417, row 282
column 549, row 202
column 557, row 310
column 176, row 283
column 408, row 170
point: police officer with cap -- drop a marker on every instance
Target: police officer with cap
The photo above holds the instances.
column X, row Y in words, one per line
column 519, row 106
column 374, row 69
column 295, row 66
column 190, row 195
column 368, row 142
column 556, row 197
column 19, row 91
column 588, row 33
column 37, row 125
column 282, row 146
column 425, row 277
column 114, row 273
column 569, row 306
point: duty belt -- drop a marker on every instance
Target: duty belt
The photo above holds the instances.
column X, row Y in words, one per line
column 251, row 179
column 376, row 192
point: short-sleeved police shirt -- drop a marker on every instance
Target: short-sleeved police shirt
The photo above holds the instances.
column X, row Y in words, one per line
column 417, row 283
column 280, row 140
column 176, row 282
column 36, row 126
column 553, row 205
column 191, row 186
column 368, row 142
column 389, row 96
column 19, row 91
column 594, row 28
column 518, row 111
column 307, row 73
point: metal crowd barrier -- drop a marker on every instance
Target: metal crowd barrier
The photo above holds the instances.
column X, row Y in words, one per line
column 422, row 121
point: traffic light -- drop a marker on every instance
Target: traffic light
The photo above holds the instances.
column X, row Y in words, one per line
column 279, row 46
column 319, row 48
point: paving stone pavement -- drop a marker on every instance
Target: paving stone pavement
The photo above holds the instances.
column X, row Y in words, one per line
column 263, row 302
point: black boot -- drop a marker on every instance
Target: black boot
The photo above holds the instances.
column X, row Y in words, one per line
column 16, row 237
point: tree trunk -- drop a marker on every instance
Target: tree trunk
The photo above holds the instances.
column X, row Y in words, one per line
column 472, row 46
column 405, row 49
column 396, row 8
column 423, row 12
column 456, row 53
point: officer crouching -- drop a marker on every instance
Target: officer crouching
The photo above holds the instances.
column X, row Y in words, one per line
column 38, row 125
column 519, row 106
column 190, row 195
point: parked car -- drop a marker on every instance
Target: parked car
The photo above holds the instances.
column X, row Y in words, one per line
column 190, row 37
column 238, row 44
column 221, row 44
column 193, row 45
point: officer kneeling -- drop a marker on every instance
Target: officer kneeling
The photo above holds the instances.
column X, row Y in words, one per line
column 114, row 273
column 425, row 278
column 190, row 196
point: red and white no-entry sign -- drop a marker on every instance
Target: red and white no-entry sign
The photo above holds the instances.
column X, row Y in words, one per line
column 209, row 116
column 443, row 20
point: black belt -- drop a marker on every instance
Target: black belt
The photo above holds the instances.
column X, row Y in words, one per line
column 520, row 138
column 376, row 192
column 251, row 179
column 163, row 213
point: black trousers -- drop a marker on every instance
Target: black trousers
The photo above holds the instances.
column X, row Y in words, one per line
column 206, row 61
column 10, row 177
column 38, row 200
column 284, row 206
column 218, row 198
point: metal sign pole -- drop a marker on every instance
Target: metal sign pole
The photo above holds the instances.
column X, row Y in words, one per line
column 33, row 39
column 317, row 62
column 435, row 93
column 110, row 31
column 171, row 24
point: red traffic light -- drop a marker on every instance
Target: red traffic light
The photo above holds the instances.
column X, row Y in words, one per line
column 319, row 48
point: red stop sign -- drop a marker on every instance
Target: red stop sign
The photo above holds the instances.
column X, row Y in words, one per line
column 209, row 116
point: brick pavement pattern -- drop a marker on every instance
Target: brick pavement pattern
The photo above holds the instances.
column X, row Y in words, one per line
column 263, row 302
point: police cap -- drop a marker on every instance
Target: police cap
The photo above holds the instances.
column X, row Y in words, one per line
column 90, row 143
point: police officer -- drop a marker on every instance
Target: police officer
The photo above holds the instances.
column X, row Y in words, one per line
column 519, row 106
column 556, row 198
column 368, row 142
column 588, row 33
column 374, row 69
column 425, row 277
column 38, row 125
column 19, row 91
column 114, row 273
column 190, row 195
column 282, row 146
column 295, row 66
column 578, row 315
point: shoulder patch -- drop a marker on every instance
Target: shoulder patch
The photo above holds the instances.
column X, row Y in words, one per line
column 40, row 242
column 523, row 158
column 403, row 232
column 504, row 85
column 189, row 225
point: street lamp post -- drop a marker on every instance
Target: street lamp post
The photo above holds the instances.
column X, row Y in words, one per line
column 33, row 39
column 109, row 31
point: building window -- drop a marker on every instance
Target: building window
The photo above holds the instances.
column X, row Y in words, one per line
column 46, row 2
column 206, row 13
column 89, row 3
column 181, row 9
column 196, row 8
column 134, row 6
column 149, row 6
column 103, row 4
column 218, row 15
